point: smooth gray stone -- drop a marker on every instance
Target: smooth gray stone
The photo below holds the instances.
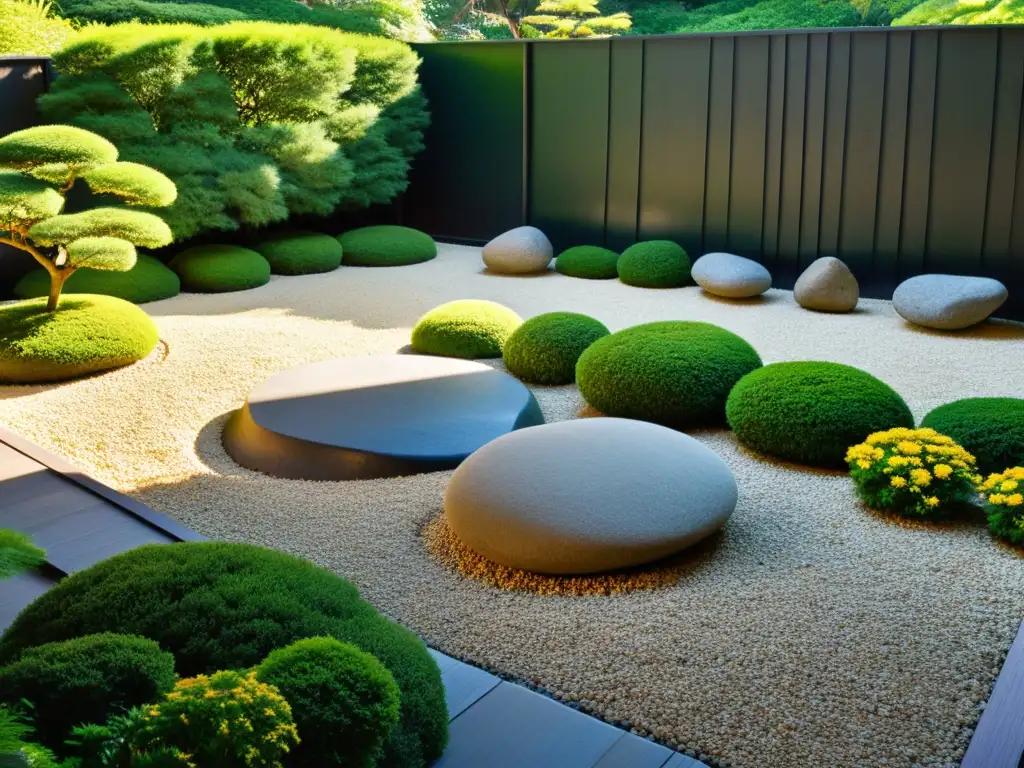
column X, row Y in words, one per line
column 948, row 302
column 827, row 285
column 519, row 251
column 731, row 276
column 366, row 417
column 588, row 495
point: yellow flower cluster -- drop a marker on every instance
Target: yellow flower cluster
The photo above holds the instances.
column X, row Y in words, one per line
column 1004, row 489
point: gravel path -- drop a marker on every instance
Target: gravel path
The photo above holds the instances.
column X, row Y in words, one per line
column 811, row 634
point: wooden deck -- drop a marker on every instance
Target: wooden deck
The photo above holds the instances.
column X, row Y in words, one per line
column 80, row 521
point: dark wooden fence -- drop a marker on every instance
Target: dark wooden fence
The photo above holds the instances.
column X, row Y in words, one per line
column 897, row 150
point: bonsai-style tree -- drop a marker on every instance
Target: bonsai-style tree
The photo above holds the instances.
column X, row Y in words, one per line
column 576, row 18
column 38, row 166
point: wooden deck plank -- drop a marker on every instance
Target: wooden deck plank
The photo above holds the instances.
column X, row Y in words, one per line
column 999, row 738
column 464, row 684
column 14, row 464
column 19, row 591
column 631, row 751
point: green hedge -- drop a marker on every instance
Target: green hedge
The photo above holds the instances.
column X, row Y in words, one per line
column 589, row 262
column 469, row 328
column 300, row 253
column 968, row 12
column 654, row 264
column 27, row 33
column 545, row 349
column 148, row 280
column 220, row 268
column 227, row 606
column 991, row 428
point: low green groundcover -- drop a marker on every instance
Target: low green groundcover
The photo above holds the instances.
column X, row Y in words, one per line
column 220, row 268
column 218, row 606
column 301, row 253
column 545, row 349
column 386, row 246
column 470, row 328
column 148, row 280
column 991, row 428
column 676, row 373
column 590, row 262
column 86, row 334
column 812, row 412
column 654, row 264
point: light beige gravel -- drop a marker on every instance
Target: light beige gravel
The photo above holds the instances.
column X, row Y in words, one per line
column 813, row 634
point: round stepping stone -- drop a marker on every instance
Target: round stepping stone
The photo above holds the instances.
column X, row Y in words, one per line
column 948, row 302
column 366, row 417
column 588, row 495
column 519, row 251
column 731, row 276
column 827, row 285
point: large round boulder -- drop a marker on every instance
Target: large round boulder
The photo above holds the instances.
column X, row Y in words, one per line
column 519, row 251
column 731, row 276
column 827, row 285
column 948, row 302
column 588, row 495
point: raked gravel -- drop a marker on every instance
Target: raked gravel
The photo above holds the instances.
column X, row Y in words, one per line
column 815, row 633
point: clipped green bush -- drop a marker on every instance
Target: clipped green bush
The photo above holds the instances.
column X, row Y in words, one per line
column 545, row 349
column 220, row 268
column 89, row 334
column 300, row 253
column 812, row 412
column 30, row 30
column 962, row 12
column 589, row 262
column 676, row 373
column 386, row 246
column 148, row 280
column 344, row 701
column 991, row 428
column 227, row 606
column 654, row 264
column 85, row 680
column 470, row 328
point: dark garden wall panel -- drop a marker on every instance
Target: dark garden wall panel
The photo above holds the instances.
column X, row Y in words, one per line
column 625, row 104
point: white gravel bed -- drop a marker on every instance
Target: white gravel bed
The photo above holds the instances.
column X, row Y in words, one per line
column 813, row 634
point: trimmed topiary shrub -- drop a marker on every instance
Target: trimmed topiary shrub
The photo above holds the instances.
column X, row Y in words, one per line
column 1003, row 494
column 589, row 262
column 30, row 29
column 676, row 373
column 85, row 680
column 344, row 701
column 386, row 246
column 148, row 280
column 89, row 334
column 470, row 328
column 991, row 428
column 812, row 412
column 654, row 264
column 301, row 253
column 227, row 606
column 220, row 268
column 545, row 349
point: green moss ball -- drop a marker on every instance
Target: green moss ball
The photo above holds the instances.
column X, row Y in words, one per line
column 301, row 253
column 148, row 280
column 654, row 264
column 217, row 605
column 86, row 334
column 470, row 328
column 589, row 262
column 676, row 373
column 991, row 428
column 545, row 349
column 220, row 268
column 386, row 246
column 812, row 412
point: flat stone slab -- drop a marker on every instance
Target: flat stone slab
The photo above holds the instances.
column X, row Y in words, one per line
column 366, row 417
column 731, row 276
column 588, row 495
column 948, row 302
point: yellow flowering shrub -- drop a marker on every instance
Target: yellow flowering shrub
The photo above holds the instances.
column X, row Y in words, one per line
column 227, row 719
column 1003, row 493
column 913, row 472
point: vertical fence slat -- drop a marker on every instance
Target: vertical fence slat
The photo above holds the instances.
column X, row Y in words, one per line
column 749, row 126
column 792, row 155
column 624, row 143
column 719, row 159
column 814, row 145
column 674, row 140
column 836, row 90
column 773, row 148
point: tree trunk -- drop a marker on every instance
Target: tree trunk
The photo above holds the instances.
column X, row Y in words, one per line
column 57, row 280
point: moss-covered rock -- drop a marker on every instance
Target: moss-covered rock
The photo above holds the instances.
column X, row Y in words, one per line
column 991, row 428
column 654, row 264
column 676, row 373
column 301, row 253
column 590, row 262
column 220, row 268
column 86, row 334
column 812, row 412
column 469, row 328
column 148, row 280
column 545, row 349
column 386, row 246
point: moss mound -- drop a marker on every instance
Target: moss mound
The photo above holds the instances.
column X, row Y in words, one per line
column 227, row 606
column 301, row 253
column 992, row 428
column 812, row 412
column 148, row 280
column 386, row 246
column 220, row 268
column 86, row 334
column 589, row 262
column 676, row 373
column 654, row 264
column 469, row 328
column 545, row 349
